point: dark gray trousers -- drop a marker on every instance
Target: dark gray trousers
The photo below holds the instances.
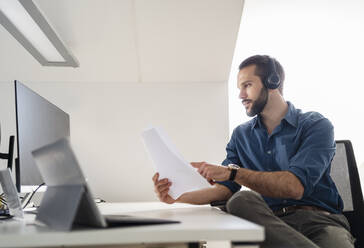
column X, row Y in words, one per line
column 302, row 228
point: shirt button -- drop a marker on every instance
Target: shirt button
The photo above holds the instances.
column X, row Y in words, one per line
column 269, row 152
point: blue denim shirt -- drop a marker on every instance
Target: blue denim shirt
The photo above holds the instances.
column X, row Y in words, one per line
column 303, row 143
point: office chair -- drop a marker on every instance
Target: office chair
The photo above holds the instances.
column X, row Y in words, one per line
column 345, row 174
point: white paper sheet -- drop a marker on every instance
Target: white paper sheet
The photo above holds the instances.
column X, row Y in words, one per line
column 170, row 163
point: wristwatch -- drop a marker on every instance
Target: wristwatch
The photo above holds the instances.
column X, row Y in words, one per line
column 233, row 168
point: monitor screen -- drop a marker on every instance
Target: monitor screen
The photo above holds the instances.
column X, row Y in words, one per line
column 38, row 123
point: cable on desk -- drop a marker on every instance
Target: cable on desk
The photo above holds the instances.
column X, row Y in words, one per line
column 40, row 185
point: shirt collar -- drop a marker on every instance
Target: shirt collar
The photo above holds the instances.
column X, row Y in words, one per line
column 257, row 121
column 290, row 117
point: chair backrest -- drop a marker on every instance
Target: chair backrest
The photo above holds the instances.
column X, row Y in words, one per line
column 340, row 173
column 345, row 174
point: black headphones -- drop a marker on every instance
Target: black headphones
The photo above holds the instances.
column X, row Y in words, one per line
column 273, row 80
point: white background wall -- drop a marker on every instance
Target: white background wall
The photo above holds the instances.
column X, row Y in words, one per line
column 108, row 118
column 320, row 45
column 142, row 62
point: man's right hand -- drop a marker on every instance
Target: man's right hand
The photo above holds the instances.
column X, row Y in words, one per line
column 161, row 188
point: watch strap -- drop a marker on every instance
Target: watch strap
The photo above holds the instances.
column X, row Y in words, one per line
column 233, row 174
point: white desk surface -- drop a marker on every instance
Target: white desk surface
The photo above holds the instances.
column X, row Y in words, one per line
column 199, row 223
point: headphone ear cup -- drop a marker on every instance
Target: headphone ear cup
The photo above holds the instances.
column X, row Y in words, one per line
column 273, row 81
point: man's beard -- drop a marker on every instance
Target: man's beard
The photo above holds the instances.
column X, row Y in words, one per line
column 259, row 104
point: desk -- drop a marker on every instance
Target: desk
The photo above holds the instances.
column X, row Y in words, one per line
column 199, row 223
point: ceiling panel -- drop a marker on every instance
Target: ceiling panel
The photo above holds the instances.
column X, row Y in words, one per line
column 187, row 40
column 133, row 41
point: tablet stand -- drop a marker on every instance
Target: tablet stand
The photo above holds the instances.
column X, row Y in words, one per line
column 60, row 205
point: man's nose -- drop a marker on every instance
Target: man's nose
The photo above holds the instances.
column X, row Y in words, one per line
column 242, row 94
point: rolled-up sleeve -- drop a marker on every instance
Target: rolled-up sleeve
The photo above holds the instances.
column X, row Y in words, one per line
column 231, row 158
column 314, row 155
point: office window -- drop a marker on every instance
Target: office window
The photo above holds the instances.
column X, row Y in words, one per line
column 320, row 45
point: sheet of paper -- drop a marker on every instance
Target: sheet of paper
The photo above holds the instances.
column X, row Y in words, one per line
column 170, row 163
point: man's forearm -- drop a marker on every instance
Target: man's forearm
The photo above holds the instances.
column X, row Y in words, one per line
column 205, row 196
column 280, row 184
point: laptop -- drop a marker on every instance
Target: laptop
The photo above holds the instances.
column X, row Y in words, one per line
column 68, row 200
column 12, row 198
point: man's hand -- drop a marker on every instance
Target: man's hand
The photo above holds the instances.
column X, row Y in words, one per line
column 161, row 188
column 212, row 172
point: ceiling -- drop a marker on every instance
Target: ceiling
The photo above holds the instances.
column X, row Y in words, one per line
column 141, row 41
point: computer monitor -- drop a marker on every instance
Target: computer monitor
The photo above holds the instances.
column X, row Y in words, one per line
column 38, row 123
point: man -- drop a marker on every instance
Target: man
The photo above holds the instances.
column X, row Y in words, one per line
column 284, row 156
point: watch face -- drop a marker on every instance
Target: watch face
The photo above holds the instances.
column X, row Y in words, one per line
column 233, row 166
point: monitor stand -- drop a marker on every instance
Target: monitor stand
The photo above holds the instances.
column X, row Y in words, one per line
column 9, row 156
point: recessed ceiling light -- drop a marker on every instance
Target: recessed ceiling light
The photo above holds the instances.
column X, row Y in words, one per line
column 26, row 23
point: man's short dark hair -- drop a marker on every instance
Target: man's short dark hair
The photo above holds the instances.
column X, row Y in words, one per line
column 264, row 68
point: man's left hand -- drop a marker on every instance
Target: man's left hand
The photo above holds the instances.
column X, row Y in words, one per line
column 212, row 172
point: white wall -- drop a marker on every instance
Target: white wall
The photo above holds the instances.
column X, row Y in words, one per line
column 107, row 119
column 320, row 45
column 141, row 62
